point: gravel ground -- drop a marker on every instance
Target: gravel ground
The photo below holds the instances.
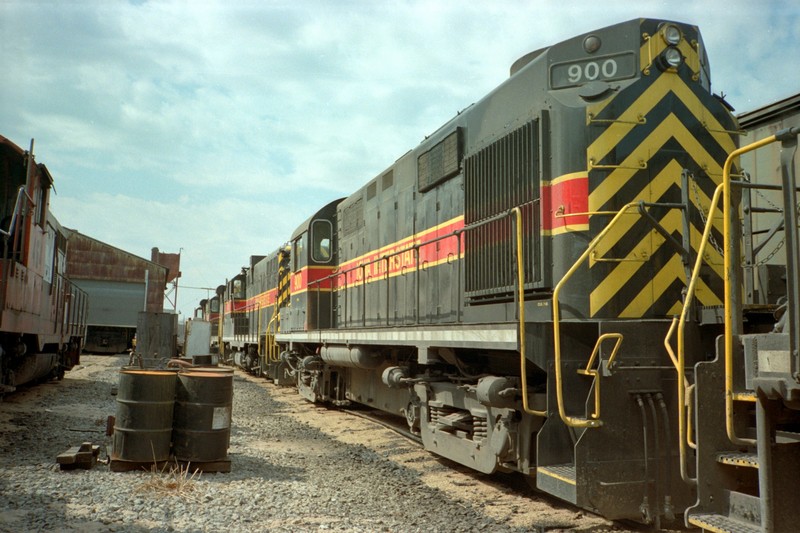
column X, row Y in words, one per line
column 295, row 467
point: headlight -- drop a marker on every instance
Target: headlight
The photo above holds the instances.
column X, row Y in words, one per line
column 672, row 57
column 672, row 34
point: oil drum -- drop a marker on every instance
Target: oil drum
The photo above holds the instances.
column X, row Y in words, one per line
column 202, row 419
column 143, row 425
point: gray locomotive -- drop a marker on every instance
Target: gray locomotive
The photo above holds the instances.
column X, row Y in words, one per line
column 561, row 282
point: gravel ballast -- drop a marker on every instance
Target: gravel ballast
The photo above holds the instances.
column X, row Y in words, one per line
column 294, row 467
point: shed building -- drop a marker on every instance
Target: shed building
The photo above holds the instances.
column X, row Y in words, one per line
column 119, row 285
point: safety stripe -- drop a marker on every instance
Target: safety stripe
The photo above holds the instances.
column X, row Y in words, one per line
column 437, row 245
column 644, row 136
column 406, row 243
column 565, row 202
column 236, row 306
column 262, row 300
column 316, row 278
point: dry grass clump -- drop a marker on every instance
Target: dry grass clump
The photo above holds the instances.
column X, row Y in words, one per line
column 177, row 479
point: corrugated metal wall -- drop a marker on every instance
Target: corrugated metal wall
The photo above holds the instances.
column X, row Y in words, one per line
column 90, row 259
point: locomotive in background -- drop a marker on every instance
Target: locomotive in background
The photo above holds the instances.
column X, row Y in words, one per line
column 42, row 314
column 575, row 279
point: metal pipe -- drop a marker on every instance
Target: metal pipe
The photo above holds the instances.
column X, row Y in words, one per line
column 681, row 362
column 669, row 511
column 416, row 281
column 388, row 293
column 570, row 420
column 730, row 273
column 657, row 457
column 521, row 311
column 461, row 267
column 258, row 341
column 363, row 297
column 792, row 236
column 146, row 288
column 644, row 508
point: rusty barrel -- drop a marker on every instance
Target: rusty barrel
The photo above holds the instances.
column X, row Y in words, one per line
column 202, row 419
column 143, row 425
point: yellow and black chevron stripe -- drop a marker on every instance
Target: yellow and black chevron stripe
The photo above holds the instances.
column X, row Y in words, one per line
column 641, row 140
column 283, row 293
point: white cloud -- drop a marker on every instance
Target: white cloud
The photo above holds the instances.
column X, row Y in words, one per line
column 216, row 126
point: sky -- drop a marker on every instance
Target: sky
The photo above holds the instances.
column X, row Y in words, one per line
column 214, row 128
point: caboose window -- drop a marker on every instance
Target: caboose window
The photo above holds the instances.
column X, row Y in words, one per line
column 321, row 233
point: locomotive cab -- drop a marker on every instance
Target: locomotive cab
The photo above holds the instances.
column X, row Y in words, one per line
column 314, row 257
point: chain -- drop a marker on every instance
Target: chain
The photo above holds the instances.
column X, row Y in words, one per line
column 714, row 243
column 746, row 177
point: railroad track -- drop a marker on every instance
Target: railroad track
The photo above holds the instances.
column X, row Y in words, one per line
column 379, row 417
column 518, row 483
column 504, row 497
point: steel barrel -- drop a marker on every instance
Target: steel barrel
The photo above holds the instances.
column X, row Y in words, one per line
column 202, row 419
column 143, row 425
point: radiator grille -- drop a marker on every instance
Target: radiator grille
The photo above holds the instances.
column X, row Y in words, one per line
column 497, row 178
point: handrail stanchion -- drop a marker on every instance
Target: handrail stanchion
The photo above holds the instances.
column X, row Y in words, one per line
column 521, row 302
column 729, row 273
column 571, row 420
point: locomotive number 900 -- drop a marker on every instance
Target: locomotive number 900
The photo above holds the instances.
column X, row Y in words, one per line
column 572, row 73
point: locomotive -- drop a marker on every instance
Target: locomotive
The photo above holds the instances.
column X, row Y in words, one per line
column 571, row 279
column 42, row 313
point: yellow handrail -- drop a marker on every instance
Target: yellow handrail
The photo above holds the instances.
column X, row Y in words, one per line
column 571, row 420
column 589, row 371
column 220, row 345
column 270, row 348
column 674, row 359
column 258, row 332
column 728, row 269
column 521, row 282
column 723, row 189
column 680, row 364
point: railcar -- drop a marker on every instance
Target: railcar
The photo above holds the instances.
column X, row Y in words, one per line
column 233, row 315
column 565, row 281
column 42, row 313
column 209, row 310
column 266, row 286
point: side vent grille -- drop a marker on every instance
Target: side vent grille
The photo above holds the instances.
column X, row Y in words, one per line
column 353, row 217
column 387, row 180
column 497, row 178
column 441, row 162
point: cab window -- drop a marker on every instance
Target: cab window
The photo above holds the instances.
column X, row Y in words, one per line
column 321, row 247
column 298, row 252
